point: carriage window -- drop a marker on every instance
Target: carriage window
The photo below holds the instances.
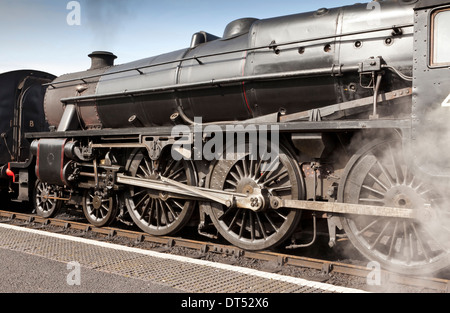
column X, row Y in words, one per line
column 440, row 54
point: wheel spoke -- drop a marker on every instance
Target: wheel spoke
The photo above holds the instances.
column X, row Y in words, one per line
column 393, row 240
column 405, row 242
column 362, row 231
column 380, row 235
column 281, row 215
column 281, row 188
column 178, row 204
column 252, row 173
column 244, row 166
column 157, row 217
column 394, row 165
column 379, row 182
column 373, row 190
column 232, row 182
column 149, row 166
column 243, row 222
column 227, row 213
column 261, row 226
column 421, row 244
column 172, row 212
column 151, row 212
column 141, row 202
column 169, row 167
column 164, row 211
column 284, row 173
column 269, row 170
column 383, row 170
column 236, row 177
column 275, row 228
column 176, row 173
column 379, row 175
column 252, row 226
column 144, row 171
column 240, row 172
column 147, row 206
column 235, row 217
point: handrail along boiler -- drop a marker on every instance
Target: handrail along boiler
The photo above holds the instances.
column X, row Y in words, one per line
column 360, row 99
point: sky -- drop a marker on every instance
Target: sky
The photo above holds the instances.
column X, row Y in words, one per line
column 56, row 36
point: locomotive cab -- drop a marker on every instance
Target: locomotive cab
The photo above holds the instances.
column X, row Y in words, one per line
column 415, row 175
column 430, row 136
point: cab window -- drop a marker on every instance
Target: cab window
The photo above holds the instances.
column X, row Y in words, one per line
column 440, row 52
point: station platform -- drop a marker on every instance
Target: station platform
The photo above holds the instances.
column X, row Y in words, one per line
column 44, row 262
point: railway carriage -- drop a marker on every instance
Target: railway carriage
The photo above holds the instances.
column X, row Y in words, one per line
column 338, row 114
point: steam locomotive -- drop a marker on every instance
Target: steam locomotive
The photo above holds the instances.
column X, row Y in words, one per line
column 351, row 104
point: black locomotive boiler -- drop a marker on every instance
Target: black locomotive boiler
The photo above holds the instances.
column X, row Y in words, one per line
column 354, row 100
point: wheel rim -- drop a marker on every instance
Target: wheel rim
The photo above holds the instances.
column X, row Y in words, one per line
column 46, row 203
column 264, row 229
column 99, row 209
column 156, row 212
column 378, row 175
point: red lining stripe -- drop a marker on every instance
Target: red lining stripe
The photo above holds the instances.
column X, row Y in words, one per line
column 243, row 83
column 61, row 175
column 11, row 173
column 37, row 161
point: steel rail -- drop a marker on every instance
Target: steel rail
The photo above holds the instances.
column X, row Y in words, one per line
column 280, row 259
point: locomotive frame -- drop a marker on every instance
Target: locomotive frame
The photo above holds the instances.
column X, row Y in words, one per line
column 356, row 163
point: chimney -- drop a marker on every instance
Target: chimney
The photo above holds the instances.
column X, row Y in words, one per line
column 101, row 59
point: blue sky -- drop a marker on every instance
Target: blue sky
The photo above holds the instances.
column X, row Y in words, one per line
column 35, row 34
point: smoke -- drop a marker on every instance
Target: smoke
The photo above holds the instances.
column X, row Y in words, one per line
column 107, row 18
column 431, row 150
column 407, row 176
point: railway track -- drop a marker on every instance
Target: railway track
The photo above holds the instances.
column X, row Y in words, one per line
column 274, row 261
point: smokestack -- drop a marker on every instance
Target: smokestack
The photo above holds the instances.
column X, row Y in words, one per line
column 101, row 59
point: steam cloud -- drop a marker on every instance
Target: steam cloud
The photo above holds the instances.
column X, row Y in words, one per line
column 429, row 195
column 106, row 18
